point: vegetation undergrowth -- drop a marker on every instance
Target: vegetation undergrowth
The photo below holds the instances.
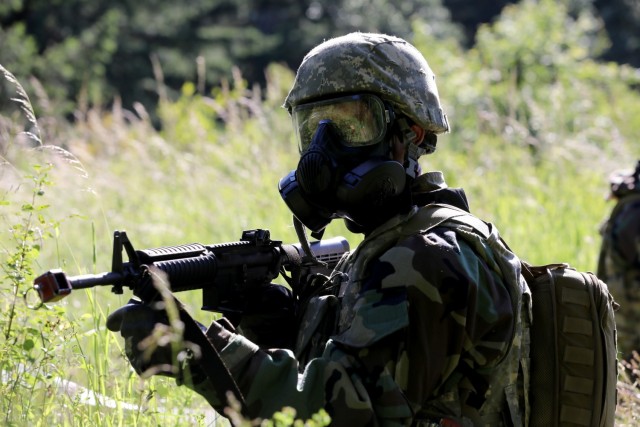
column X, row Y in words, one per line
column 531, row 144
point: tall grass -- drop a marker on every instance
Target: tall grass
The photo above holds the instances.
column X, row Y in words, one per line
column 537, row 169
column 56, row 363
column 206, row 186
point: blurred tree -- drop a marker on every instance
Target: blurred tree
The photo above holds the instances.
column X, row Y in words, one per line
column 471, row 14
column 203, row 42
column 90, row 52
column 66, row 44
column 622, row 20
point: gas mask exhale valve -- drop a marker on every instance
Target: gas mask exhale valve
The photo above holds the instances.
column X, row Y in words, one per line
column 318, row 169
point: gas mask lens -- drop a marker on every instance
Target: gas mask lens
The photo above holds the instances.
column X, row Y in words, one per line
column 359, row 120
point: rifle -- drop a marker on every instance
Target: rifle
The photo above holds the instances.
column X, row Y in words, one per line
column 224, row 272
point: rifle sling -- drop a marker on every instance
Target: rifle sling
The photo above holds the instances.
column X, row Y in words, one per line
column 211, row 361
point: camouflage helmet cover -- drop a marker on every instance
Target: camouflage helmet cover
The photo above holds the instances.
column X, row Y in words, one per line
column 376, row 63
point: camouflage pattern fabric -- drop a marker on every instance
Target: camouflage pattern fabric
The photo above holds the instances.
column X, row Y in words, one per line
column 619, row 268
column 376, row 63
column 430, row 328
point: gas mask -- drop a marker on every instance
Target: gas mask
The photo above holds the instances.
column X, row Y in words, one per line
column 345, row 170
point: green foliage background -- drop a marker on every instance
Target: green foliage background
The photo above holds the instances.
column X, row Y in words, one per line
column 537, row 125
column 88, row 52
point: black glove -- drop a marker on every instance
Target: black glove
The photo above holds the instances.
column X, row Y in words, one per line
column 269, row 318
column 152, row 346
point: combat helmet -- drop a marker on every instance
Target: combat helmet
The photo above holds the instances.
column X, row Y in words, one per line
column 624, row 182
column 375, row 63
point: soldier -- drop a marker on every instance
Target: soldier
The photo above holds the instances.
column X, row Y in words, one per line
column 619, row 262
column 419, row 325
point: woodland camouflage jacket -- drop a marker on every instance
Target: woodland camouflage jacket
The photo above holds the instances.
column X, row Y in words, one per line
column 429, row 328
column 619, row 268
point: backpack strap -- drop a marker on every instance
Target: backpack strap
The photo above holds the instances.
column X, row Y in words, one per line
column 444, row 196
column 436, row 214
column 512, row 381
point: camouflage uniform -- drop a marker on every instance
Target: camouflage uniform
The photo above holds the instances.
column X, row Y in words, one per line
column 619, row 263
column 426, row 322
column 431, row 326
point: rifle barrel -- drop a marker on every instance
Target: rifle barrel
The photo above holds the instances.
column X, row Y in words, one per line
column 90, row 280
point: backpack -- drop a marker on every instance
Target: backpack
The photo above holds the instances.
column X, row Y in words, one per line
column 573, row 351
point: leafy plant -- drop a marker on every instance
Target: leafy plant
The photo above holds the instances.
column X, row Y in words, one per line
column 531, row 145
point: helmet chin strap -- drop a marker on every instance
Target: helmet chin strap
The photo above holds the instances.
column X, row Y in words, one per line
column 412, row 151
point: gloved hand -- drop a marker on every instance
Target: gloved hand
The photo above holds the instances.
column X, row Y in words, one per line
column 269, row 317
column 152, row 344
